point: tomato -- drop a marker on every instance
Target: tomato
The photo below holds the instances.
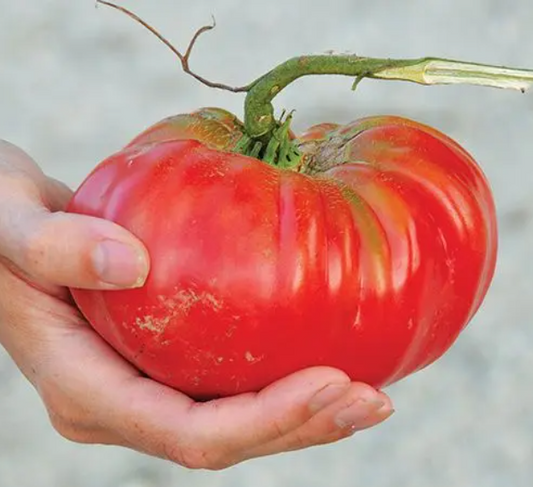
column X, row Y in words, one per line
column 371, row 256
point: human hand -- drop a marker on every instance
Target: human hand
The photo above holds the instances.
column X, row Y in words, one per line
column 92, row 395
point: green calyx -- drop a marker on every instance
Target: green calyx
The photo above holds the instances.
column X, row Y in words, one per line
column 277, row 148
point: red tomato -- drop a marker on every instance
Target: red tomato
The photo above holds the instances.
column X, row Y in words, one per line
column 372, row 258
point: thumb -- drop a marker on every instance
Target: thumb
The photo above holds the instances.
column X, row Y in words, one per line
column 71, row 250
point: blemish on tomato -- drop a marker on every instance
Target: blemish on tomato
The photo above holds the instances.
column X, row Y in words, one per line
column 153, row 324
column 251, row 358
column 185, row 299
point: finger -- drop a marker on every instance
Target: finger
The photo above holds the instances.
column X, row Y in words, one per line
column 18, row 165
column 57, row 194
column 352, row 413
column 70, row 250
column 221, row 433
column 15, row 158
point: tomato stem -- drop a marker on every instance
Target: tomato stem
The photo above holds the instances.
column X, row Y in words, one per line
column 259, row 113
column 183, row 57
column 269, row 138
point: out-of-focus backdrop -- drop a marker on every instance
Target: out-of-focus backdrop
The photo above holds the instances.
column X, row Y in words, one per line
column 77, row 82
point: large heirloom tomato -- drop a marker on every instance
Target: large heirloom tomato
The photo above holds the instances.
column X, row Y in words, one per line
column 371, row 256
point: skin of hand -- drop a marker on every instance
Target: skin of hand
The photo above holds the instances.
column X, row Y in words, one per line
column 94, row 396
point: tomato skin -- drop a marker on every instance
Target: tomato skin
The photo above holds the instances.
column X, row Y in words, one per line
column 372, row 261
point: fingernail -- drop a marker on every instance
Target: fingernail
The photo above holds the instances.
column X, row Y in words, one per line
column 326, row 396
column 361, row 409
column 119, row 264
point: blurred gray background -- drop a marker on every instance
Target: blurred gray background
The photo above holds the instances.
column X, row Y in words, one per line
column 77, row 82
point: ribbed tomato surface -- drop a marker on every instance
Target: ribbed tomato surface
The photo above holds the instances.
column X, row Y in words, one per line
column 371, row 257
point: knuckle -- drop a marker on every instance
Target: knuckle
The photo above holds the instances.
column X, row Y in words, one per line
column 70, row 430
column 298, row 440
column 16, row 182
column 196, row 458
column 278, row 429
column 67, row 418
column 33, row 246
column 341, row 434
column 182, row 456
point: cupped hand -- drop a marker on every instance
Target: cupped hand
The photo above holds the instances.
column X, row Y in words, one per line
column 91, row 394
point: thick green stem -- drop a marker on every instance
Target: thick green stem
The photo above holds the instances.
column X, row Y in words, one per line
column 259, row 117
column 267, row 137
column 270, row 139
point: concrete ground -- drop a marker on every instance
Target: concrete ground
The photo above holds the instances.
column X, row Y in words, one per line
column 77, row 82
